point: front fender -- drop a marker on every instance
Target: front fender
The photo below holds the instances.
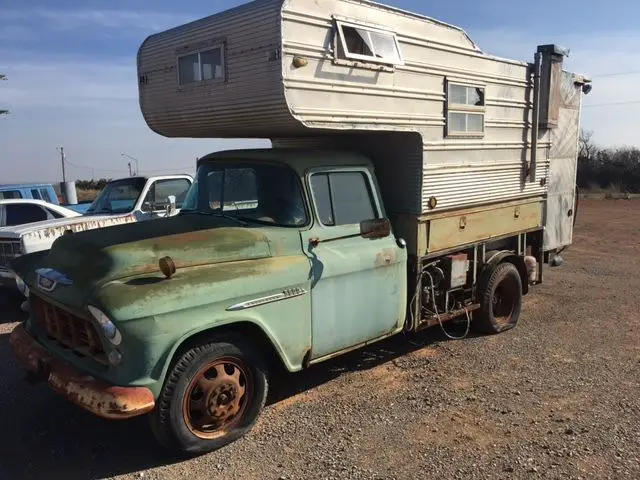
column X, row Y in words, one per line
column 156, row 316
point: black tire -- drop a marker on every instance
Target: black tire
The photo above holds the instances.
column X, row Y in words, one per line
column 500, row 297
column 174, row 419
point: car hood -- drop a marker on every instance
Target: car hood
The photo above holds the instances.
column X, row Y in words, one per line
column 51, row 229
column 95, row 257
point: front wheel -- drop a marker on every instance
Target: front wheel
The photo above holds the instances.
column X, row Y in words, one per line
column 500, row 297
column 212, row 396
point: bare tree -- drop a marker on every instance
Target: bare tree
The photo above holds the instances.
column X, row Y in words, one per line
column 3, row 77
column 587, row 146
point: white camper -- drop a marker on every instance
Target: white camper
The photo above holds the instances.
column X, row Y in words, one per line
column 448, row 126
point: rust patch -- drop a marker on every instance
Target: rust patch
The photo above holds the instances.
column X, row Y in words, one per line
column 385, row 257
column 80, row 226
column 107, row 401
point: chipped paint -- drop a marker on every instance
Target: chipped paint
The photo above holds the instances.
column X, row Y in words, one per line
column 87, row 223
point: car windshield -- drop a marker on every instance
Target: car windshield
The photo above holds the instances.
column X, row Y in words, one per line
column 119, row 196
column 259, row 192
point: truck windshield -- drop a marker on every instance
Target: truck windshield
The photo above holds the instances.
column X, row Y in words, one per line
column 263, row 193
column 119, row 196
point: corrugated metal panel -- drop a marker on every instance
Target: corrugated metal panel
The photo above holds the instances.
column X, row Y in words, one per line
column 467, row 185
column 397, row 159
column 250, row 103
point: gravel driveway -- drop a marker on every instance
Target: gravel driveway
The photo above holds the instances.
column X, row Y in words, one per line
column 558, row 397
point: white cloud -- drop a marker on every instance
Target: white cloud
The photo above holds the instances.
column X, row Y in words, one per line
column 91, row 106
column 90, row 18
column 593, row 54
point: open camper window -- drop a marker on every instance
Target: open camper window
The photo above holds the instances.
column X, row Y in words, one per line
column 367, row 44
column 465, row 110
column 202, row 65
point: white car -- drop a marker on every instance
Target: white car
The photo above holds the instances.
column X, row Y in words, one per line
column 22, row 211
column 130, row 199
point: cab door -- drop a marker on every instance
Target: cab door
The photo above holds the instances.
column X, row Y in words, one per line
column 358, row 285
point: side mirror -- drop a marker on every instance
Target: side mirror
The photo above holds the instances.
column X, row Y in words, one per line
column 375, row 228
column 172, row 205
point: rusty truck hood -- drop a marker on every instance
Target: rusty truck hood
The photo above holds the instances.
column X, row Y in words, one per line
column 94, row 257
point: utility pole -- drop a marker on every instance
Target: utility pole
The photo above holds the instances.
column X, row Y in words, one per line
column 124, row 155
column 64, row 178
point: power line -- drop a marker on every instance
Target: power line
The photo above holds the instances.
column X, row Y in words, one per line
column 617, row 74
column 629, row 102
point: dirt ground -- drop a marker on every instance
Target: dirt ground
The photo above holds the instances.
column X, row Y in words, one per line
column 557, row 397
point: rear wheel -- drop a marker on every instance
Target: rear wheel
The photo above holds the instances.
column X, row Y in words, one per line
column 500, row 297
column 212, row 396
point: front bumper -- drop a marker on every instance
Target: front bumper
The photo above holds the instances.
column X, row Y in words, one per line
column 107, row 401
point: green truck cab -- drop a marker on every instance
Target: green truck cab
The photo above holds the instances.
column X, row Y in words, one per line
column 276, row 255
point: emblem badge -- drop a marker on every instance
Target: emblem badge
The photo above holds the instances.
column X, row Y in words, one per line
column 49, row 278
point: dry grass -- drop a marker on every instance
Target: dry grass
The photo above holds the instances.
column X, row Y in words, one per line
column 87, row 195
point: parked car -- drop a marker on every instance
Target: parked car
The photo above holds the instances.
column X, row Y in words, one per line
column 34, row 191
column 125, row 200
column 24, row 211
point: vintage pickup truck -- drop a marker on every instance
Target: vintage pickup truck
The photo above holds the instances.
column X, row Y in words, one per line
column 413, row 179
column 124, row 200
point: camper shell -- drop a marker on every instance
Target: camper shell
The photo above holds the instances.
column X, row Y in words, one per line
column 448, row 126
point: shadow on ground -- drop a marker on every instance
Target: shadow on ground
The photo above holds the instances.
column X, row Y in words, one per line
column 52, row 438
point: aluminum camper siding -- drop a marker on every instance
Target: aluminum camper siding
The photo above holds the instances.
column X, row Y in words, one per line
column 248, row 103
column 457, row 171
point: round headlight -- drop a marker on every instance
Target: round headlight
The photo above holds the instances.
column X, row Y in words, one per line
column 22, row 287
column 108, row 327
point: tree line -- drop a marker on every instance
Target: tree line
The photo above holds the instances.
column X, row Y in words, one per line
column 609, row 169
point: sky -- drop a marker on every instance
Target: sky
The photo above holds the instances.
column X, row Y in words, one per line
column 72, row 82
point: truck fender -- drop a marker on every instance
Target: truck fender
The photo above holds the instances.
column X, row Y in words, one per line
column 255, row 331
column 497, row 257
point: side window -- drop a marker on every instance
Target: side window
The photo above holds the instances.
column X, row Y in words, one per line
column 159, row 192
column 54, row 214
column 35, row 194
column 342, row 198
column 21, row 214
column 8, row 194
column 44, row 193
column 201, row 66
column 465, row 110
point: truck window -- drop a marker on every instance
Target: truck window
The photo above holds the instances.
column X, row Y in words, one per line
column 25, row 213
column 342, row 198
column 35, row 194
column 44, row 194
column 8, row 194
column 158, row 194
column 263, row 193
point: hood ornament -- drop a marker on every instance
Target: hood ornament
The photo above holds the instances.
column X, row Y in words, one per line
column 49, row 279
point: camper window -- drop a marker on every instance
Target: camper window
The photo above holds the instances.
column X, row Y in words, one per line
column 357, row 42
column 200, row 66
column 465, row 107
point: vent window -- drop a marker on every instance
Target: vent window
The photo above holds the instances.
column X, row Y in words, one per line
column 372, row 45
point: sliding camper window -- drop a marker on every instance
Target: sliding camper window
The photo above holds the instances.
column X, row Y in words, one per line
column 465, row 110
column 371, row 45
column 201, row 66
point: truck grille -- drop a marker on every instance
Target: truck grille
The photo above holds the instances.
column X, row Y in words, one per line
column 8, row 251
column 68, row 330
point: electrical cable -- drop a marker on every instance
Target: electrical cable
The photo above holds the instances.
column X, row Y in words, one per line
column 435, row 307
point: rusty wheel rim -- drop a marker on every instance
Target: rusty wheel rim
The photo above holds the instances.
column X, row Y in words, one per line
column 505, row 301
column 217, row 397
